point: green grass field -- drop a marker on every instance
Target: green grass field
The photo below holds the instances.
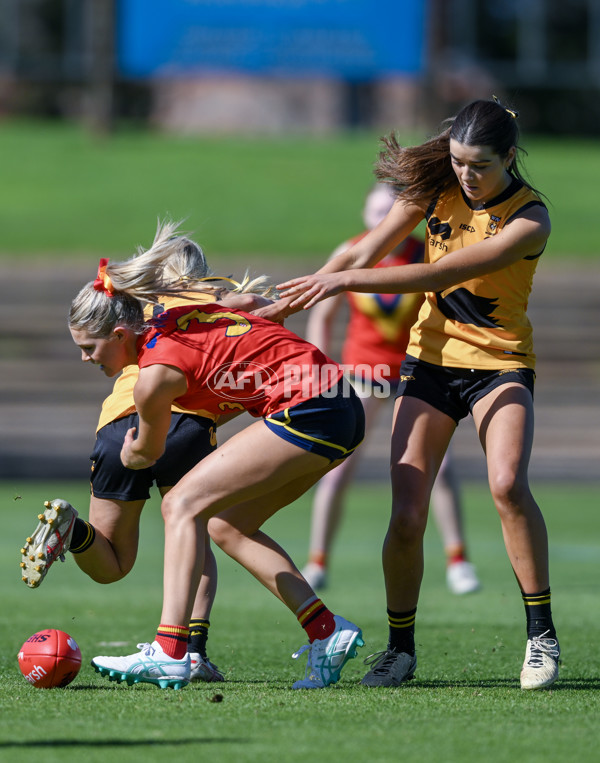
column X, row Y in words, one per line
column 69, row 194
column 464, row 705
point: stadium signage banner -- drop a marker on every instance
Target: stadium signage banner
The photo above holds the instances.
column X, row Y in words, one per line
column 349, row 39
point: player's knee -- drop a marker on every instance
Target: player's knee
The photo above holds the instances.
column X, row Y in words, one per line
column 222, row 533
column 105, row 577
column 508, row 491
column 408, row 523
column 177, row 505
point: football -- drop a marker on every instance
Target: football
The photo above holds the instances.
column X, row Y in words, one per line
column 49, row 659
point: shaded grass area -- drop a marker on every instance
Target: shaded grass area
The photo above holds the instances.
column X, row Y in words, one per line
column 464, row 705
column 67, row 193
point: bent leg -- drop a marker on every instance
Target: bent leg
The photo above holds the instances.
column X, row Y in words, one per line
column 236, row 531
column 237, row 472
column 114, row 550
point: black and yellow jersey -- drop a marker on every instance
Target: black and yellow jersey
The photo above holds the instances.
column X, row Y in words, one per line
column 481, row 323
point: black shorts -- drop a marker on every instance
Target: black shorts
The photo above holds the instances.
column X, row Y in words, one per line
column 329, row 426
column 189, row 440
column 454, row 391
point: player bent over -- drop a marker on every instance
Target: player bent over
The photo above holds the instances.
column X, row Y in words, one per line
column 106, row 546
column 307, row 424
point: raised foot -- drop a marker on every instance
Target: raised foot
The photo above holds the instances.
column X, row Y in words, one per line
column 48, row 542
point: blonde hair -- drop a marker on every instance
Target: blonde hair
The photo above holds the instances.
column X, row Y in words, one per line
column 174, row 265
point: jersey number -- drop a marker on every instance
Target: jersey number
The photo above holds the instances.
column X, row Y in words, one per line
column 240, row 324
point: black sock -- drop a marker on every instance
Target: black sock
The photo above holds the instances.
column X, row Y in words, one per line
column 198, row 636
column 539, row 614
column 402, row 631
column 83, row 536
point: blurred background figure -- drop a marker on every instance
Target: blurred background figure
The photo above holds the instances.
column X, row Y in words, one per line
column 373, row 349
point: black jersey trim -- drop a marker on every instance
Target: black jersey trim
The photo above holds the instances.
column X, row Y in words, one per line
column 534, row 256
column 533, row 203
column 515, row 185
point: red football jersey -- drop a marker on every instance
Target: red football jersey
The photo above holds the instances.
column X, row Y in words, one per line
column 233, row 360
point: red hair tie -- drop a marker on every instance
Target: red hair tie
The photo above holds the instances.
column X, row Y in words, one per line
column 103, row 282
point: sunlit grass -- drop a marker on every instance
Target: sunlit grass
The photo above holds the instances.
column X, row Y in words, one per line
column 465, row 703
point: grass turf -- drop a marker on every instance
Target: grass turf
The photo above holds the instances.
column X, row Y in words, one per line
column 464, row 705
column 67, row 193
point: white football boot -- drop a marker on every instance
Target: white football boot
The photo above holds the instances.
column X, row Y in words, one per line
column 462, row 578
column 48, row 542
column 327, row 656
column 540, row 668
column 149, row 666
column 202, row 669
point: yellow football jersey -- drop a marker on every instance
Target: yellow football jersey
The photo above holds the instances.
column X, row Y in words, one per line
column 481, row 323
column 120, row 401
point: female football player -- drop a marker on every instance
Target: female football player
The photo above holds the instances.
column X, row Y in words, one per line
column 374, row 347
column 470, row 351
column 105, row 547
column 218, row 359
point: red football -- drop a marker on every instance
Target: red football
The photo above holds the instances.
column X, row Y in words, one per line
column 50, row 658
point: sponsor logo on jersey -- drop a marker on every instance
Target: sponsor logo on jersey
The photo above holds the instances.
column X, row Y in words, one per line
column 438, row 228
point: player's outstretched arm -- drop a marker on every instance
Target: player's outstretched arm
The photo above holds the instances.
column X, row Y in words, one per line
column 399, row 222
column 526, row 235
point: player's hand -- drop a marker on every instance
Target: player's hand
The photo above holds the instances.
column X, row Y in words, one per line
column 306, row 291
column 129, row 458
column 277, row 311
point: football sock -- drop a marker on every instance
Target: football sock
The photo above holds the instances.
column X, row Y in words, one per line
column 402, row 631
column 198, row 636
column 539, row 614
column 83, row 536
column 455, row 554
column 318, row 557
column 173, row 640
column 316, row 619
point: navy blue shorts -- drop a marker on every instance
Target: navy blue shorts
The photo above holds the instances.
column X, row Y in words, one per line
column 189, row 440
column 454, row 391
column 329, row 426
